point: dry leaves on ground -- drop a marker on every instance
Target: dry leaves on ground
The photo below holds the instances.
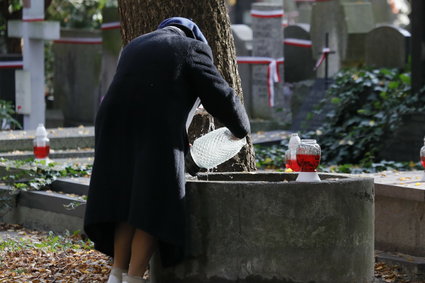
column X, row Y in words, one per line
column 34, row 256
column 390, row 273
column 31, row 256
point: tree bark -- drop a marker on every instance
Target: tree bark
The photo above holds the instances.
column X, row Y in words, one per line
column 143, row 16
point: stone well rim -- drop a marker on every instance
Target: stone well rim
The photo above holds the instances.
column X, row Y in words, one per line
column 234, row 178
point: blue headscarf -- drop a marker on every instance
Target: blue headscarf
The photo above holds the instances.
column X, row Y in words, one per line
column 186, row 23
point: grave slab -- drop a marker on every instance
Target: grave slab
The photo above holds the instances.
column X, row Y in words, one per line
column 399, row 210
column 60, row 138
column 412, row 265
column 48, row 211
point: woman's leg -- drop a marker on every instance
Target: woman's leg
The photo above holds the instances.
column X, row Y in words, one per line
column 122, row 251
column 122, row 245
column 142, row 248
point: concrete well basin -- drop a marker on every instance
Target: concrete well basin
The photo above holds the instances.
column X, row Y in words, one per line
column 265, row 227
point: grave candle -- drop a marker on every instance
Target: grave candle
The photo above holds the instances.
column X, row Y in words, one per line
column 41, row 143
column 308, row 155
column 308, row 158
column 291, row 153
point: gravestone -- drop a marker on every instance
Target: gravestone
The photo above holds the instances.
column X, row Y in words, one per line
column 347, row 23
column 387, row 47
column 8, row 64
column 382, row 12
column 77, row 74
column 291, row 12
column 328, row 17
column 304, row 12
column 242, row 35
column 299, row 61
column 268, row 97
column 111, row 47
column 239, row 12
column 418, row 43
column 359, row 21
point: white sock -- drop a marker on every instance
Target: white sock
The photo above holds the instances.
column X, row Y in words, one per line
column 132, row 279
column 116, row 275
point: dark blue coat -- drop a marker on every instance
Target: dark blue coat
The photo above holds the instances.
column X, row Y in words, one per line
column 138, row 173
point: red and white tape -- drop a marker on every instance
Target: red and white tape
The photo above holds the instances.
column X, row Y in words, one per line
column 313, row 0
column 11, row 64
column 79, row 40
column 325, row 53
column 273, row 75
column 111, row 25
column 297, row 42
column 31, row 19
column 267, row 14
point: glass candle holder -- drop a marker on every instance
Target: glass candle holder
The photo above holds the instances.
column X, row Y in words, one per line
column 291, row 160
column 291, row 153
column 308, row 155
column 308, row 158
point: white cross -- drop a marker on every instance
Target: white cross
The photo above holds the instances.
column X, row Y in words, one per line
column 34, row 30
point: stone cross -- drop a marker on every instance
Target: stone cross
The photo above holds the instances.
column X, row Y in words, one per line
column 34, row 31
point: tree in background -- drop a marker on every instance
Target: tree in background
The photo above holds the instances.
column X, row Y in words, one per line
column 9, row 10
column 71, row 14
column 143, row 16
column 76, row 13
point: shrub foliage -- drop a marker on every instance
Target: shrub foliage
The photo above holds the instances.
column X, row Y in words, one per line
column 368, row 104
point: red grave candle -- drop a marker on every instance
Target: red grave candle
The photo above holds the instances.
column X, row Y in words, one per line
column 308, row 155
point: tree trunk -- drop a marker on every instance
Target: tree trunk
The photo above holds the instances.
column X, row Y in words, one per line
column 143, row 16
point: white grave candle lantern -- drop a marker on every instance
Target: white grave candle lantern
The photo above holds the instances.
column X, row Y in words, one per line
column 41, row 143
column 308, row 158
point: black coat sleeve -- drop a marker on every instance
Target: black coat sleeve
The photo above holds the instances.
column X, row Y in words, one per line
column 217, row 97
